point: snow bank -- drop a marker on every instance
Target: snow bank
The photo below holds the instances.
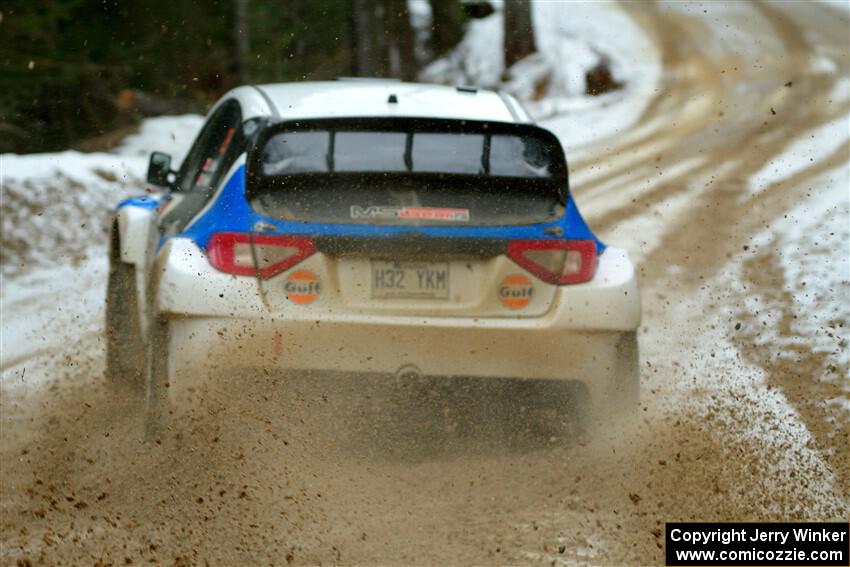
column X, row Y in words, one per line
column 814, row 146
column 474, row 61
column 572, row 38
column 170, row 134
column 50, row 309
column 54, row 207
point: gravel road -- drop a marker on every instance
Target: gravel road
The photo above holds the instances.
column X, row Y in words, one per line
column 745, row 413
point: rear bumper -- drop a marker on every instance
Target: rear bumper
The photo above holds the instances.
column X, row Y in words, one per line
column 597, row 359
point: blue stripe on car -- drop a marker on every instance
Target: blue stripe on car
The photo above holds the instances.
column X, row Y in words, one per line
column 142, row 202
column 231, row 212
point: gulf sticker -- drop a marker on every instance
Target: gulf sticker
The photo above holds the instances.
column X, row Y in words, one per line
column 515, row 291
column 302, row 287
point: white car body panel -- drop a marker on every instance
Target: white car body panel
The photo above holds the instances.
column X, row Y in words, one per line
column 134, row 228
column 329, row 99
column 252, row 101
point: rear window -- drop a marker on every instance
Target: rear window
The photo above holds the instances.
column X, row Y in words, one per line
column 368, row 151
column 448, row 153
column 409, row 177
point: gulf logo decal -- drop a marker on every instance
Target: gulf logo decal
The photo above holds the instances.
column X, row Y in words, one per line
column 302, row 287
column 515, row 291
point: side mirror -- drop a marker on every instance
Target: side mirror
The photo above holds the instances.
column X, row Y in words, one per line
column 159, row 169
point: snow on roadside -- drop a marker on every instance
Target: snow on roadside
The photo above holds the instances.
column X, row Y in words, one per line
column 170, row 134
column 610, row 34
column 55, row 206
column 730, row 395
column 572, row 38
column 810, row 245
column 843, row 5
column 813, row 146
column 474, row 61
column 50, row 310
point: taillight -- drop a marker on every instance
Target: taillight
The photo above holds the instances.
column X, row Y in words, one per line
column 231, row 252
column 559, row 262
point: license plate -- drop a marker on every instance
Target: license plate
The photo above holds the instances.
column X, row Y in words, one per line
column 410, row 280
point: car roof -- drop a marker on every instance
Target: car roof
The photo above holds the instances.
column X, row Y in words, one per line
column 375, row 98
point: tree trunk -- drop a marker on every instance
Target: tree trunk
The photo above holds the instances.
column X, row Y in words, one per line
column 402, row 63
column 240, row 34
column 382, row 39
column 446, row 25
column 519, row 32
column 364, row 45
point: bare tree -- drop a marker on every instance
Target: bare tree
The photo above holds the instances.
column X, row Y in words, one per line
column 519, row 32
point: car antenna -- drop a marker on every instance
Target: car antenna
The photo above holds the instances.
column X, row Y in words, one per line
column 393, row 99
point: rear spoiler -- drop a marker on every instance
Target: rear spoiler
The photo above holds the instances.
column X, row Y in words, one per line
column 412, row 125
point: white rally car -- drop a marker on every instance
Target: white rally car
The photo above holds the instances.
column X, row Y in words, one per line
column 368, row 227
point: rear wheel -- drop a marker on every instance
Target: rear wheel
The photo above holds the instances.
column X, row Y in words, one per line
column 125, row 348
